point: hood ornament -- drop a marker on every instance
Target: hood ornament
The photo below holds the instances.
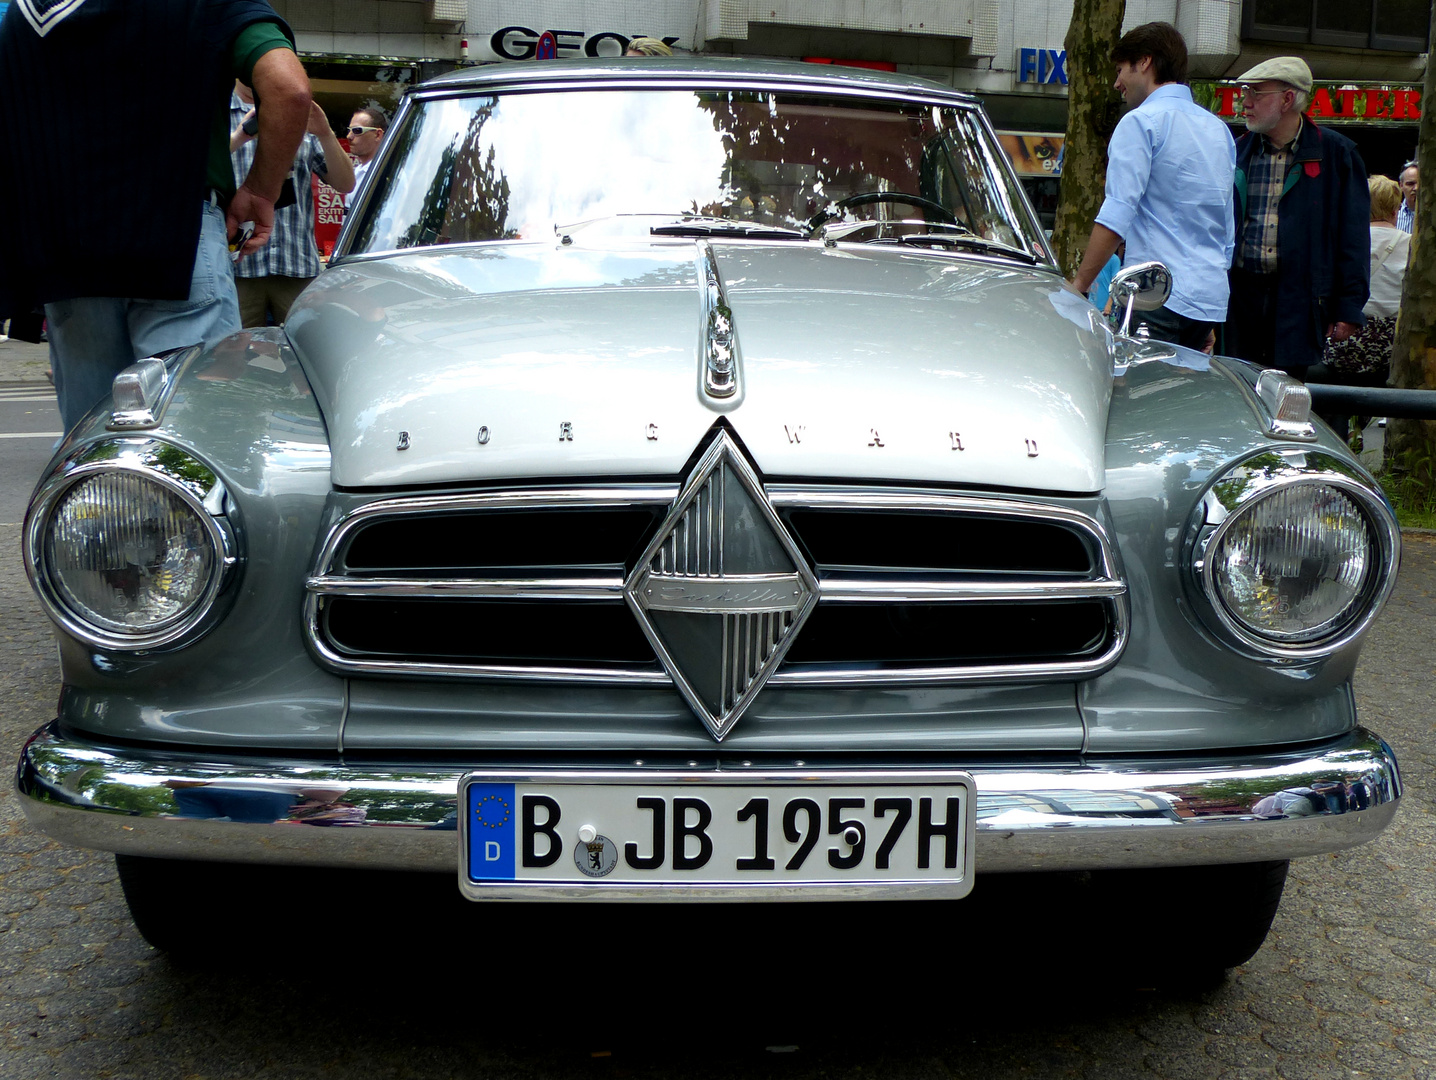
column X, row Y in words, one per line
column 719, row 340
column 722, row 589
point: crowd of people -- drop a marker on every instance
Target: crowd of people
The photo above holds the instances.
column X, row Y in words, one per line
column 1282, row 251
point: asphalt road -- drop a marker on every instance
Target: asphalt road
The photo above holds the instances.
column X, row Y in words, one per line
column 377, row 980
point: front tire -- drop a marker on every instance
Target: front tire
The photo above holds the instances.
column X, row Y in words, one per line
column 1190, row 918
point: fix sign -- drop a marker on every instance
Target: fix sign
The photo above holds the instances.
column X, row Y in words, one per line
column 1042, row 66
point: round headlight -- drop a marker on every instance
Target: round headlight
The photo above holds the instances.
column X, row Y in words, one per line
column 128, row 554
column 1296, row 565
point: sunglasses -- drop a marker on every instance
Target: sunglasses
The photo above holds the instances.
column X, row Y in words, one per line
column 360, row 130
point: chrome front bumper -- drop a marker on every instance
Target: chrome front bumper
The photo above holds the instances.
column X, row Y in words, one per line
column 1128, row 813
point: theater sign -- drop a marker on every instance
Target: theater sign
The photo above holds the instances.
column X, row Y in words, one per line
column 1331, row 102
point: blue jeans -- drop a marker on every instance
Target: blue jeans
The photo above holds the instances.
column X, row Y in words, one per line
column 94, row 338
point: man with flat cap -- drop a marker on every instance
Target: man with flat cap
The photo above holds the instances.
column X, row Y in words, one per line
column 1302, row 267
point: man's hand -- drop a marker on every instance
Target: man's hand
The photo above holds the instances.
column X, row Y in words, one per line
column 1101, row 246
column 318, row 123
column 249, row 206
column 1341, row 331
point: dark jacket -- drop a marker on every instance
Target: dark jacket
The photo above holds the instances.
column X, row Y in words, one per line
column 1323, row 240
column 106, row 199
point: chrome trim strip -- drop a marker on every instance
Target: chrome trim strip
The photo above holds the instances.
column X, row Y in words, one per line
column 515, row 80
column 575, row 588
column 1199, row 810
column 718, row 337
column 855, row 590
column 1106, row 584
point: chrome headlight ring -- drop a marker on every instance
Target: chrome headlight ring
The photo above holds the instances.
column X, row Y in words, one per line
column 180, row 476
column 1242, row 488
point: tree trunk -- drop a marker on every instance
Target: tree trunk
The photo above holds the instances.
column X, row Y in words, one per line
column 1093, row 109
column 1411, row 444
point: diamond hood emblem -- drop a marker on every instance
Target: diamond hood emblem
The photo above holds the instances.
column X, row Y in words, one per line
column 722, row 590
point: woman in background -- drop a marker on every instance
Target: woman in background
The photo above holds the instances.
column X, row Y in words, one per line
column 1364, row 359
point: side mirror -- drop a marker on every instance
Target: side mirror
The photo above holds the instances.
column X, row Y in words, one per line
column 1144, row 287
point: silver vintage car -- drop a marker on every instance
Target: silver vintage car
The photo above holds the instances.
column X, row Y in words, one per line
column 694, row 480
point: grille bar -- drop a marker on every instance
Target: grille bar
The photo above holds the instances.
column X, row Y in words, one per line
column 575, row 588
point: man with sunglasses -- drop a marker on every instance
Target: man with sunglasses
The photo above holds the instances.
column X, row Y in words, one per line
column 1302, row 268
column 366, row 132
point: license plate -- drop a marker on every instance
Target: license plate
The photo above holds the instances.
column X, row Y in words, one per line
column 704, row 837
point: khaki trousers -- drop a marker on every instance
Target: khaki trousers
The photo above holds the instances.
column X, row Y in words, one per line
column 262, row 298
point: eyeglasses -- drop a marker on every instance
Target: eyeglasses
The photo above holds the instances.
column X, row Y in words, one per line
column 1248, row 91
column 360, row 130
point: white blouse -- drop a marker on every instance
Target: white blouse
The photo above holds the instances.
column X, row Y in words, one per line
column 1390, row 248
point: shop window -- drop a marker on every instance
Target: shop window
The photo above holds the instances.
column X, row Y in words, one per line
column 1390, row 25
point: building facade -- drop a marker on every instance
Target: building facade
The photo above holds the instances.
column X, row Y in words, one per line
column 1368, row 55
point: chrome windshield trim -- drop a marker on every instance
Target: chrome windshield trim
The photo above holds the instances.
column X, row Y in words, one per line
column 1104, row 584
column 509, row 78
column 520, row 78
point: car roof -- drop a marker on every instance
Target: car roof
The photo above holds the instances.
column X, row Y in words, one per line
column 718, row 69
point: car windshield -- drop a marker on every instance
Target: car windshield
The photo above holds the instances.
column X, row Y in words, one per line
column 682, row 162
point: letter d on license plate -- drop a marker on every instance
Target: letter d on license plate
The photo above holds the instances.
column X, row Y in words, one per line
column 706, row 836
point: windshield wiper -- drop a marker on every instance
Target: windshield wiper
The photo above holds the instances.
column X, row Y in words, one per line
column 744, row 230
column 973, row 243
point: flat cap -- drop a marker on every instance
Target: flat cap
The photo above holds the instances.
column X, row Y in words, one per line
column 1291, row 70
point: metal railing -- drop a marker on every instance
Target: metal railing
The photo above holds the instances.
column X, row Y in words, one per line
column 1328, row 398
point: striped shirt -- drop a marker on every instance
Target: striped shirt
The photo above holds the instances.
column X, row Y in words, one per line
column 1405, row 218
column 291, row 251
column 1266, row 175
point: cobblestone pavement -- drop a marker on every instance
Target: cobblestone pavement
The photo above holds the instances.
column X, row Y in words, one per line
column 1343, row 988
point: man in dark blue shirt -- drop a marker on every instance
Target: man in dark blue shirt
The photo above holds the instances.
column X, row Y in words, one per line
column 125, row 217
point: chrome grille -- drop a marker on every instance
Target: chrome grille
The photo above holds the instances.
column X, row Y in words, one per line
column 1016, row 620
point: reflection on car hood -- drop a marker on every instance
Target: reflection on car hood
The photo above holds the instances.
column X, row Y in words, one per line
column 523, row 360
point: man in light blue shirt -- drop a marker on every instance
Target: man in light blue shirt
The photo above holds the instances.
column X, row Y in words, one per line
column 1169, row 188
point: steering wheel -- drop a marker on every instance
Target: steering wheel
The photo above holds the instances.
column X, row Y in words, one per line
column 866, row 198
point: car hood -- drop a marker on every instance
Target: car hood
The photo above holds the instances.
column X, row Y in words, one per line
column 522, row 360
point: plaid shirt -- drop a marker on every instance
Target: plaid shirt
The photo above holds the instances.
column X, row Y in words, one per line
column 291, row 251
column 1266, row 176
